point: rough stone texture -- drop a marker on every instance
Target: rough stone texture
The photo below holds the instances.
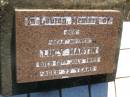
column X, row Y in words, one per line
column 5, row 56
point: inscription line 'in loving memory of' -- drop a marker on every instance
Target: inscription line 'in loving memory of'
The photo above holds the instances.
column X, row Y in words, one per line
column 67, row 20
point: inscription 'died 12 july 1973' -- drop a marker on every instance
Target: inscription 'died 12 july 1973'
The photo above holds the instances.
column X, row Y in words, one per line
column 61, row 44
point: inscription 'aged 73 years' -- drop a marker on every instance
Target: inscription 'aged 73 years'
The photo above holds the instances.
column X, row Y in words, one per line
column 60, row 44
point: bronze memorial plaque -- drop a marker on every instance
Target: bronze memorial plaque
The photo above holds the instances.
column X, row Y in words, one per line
column 62, row 44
